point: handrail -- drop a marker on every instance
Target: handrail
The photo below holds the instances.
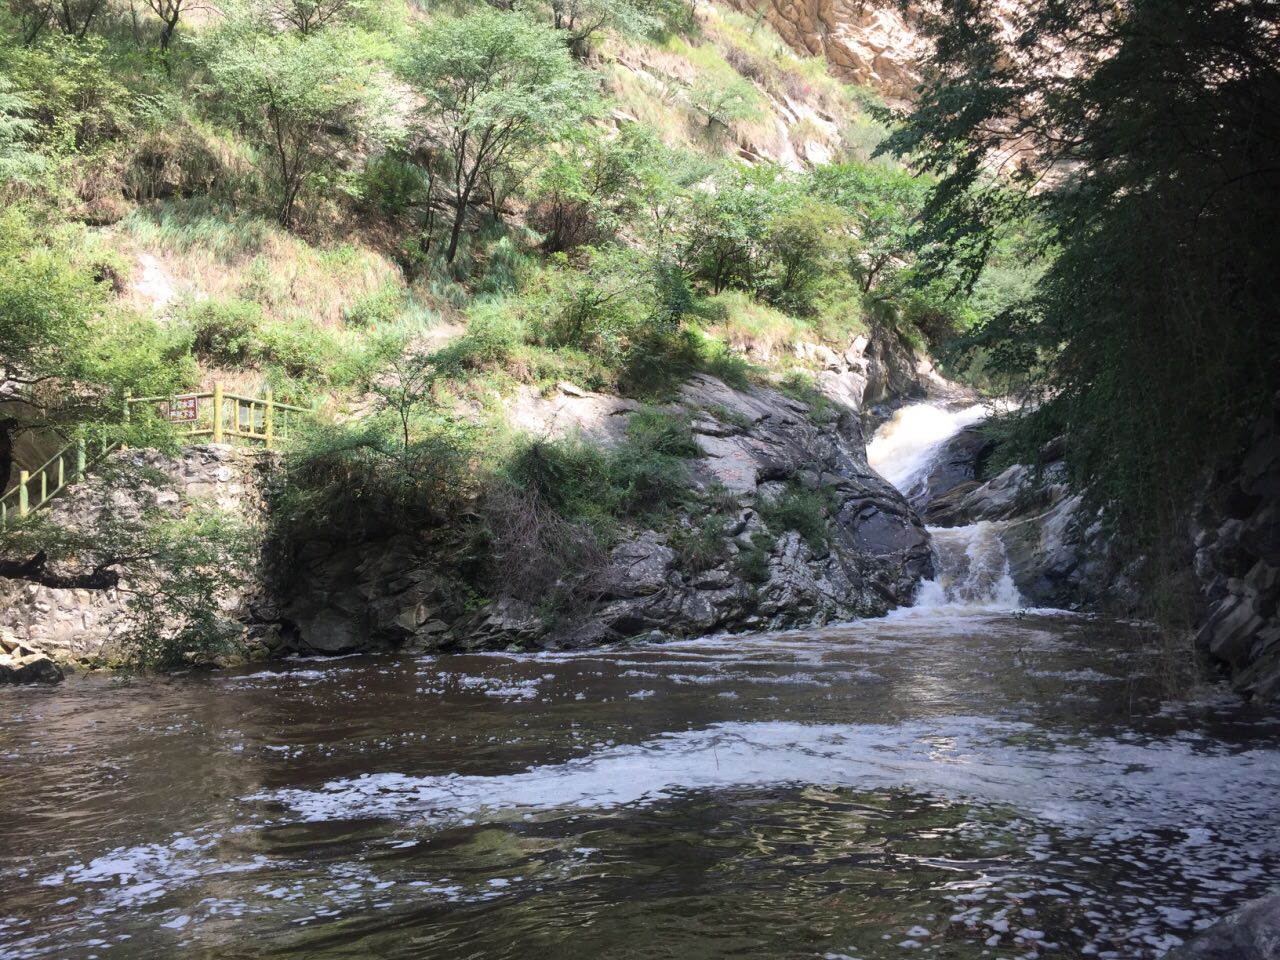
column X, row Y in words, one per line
column 232, row 416
column 18, row 500
column 242, row 421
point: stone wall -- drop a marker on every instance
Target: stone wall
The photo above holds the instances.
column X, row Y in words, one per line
column 84, row 625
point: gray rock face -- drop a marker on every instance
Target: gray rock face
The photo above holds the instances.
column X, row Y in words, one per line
column 403, row 593
column 959, row 464
column 1249, row 933
column 754, row 444
column 83, row 625
column 1059, row 554
column 1237, row 564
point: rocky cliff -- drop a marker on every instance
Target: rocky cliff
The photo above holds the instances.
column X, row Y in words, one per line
column 716, row 563
column 868, row 42
column 718, row 567
column 1237, row 564
column 87, row 625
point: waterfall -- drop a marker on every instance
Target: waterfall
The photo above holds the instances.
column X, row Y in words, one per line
column 972, row 567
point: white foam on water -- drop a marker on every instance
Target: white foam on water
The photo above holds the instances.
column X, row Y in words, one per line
column 904, row 448
column 1106, row 785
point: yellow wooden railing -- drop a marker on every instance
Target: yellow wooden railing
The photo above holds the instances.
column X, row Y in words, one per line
column 225, row 417
column 222, row 417
column 37, row 487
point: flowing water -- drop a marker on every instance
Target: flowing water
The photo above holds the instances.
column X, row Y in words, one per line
column 971, row 563
column 956, row 780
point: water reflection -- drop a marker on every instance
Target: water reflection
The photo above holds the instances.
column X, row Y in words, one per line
column 948, row 783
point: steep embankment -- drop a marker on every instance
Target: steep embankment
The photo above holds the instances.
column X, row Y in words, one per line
column 784, row 524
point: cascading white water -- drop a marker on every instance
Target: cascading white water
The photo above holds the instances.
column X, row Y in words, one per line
column 905, row 447
column 971, row 563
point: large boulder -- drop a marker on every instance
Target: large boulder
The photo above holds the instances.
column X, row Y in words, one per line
column 1250, row 933
column 20, row 667
column 1237, row 564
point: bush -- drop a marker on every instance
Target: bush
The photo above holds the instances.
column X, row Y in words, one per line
column 752, row 564
column 381, row 306
column 352, row 481
column 703, row 547
column 223, row 332
column 801, row 510
column 665, row 433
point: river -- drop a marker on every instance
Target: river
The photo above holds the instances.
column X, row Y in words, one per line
column 963, row 779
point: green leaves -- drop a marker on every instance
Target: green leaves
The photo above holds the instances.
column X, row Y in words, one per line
column 309, row 100
column 495, row 87
column 1142, row 137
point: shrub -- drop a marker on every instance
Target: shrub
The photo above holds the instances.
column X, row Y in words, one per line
column 662, row 432
column 801, row 510
column 703, row 547
column 351, row 481
column 223, row 332
column 752, row 564
column 380, row 306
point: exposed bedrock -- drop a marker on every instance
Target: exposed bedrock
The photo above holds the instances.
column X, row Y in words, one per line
column 1237, row 564
column 754, row 444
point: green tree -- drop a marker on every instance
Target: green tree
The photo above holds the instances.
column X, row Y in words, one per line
column 308, row 100
column 1144, row 136
column 725, row 100
column 496, row 87
column 884, row 204
column 66, row 358
column 592, row 189
column 19, row 161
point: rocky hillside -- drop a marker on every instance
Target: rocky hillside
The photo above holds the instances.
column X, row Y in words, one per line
column 731, row 558
column 870, row 43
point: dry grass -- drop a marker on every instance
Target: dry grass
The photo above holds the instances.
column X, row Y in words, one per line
column 224, row 254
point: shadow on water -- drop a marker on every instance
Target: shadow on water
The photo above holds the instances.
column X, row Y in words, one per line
column 942, row 782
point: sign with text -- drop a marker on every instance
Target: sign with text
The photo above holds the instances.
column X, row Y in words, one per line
column 181, row 410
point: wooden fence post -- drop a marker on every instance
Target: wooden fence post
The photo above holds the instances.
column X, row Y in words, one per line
column 270, row 421
column 217, row 412
column 23, row 502
column 81, row 459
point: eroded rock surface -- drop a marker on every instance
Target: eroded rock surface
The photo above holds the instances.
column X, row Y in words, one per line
column 1249, row 933
column 1237, row 564
column 869, row 43
column 754, row 445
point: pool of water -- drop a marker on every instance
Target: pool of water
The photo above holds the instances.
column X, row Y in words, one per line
column 943, row 783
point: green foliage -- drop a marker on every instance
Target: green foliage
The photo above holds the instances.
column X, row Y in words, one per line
column 579, row 480
column 806, row 512
column 57, row 328
column 725, row 100
column 307, row 99
column 357, row 480
column 382, row 306
column 297, row 358
column 752, row 564
column 224, row 332
column 1150, row 339
column 587, row 193
column 703, row 547
column 496, row 87
column 19, row 161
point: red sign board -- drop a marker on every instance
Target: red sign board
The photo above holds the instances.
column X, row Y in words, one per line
column 181, row 410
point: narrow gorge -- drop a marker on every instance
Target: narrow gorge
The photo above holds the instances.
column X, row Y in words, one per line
column 639, row 480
